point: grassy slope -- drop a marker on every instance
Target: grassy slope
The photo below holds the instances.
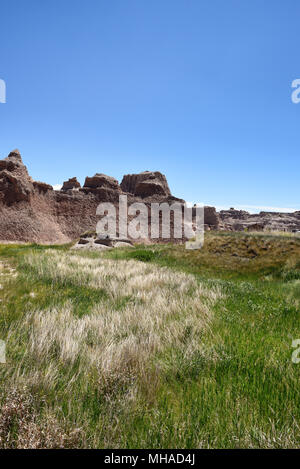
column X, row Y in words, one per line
column 237, row 388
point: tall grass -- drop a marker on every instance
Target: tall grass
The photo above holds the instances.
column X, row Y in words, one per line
column 149, row 347
column 117, row 349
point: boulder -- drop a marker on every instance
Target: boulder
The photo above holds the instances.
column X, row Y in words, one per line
column 123, row 244
column 90, row 246
column 113, row 241
column 100, row 247
column 78, row 246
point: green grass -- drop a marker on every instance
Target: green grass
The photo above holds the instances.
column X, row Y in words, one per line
column 238, row 387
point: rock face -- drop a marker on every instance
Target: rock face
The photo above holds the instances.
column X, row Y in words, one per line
column 146, row 184
column 33, row 211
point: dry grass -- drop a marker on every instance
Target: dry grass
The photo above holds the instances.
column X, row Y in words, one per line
column 236, row 254
column 148, row 309
column 141, row 354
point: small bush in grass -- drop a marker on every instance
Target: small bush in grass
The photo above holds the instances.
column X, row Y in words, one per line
column 143, row 255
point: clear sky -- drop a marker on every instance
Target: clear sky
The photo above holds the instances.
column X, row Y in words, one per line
column 197, row 89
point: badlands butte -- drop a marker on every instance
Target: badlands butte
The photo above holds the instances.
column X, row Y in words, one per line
column 33, row 211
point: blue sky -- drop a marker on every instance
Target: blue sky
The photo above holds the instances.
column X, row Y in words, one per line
column 199, row 90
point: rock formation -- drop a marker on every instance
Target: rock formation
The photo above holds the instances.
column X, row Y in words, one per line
column 240, row 220
column 101, row 181
column 15, row 183
column 71, row 184
column 33, row 211
column 146, row 184
column 96, row 243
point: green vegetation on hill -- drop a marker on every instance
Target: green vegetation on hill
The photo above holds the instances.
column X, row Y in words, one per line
column 151, row 347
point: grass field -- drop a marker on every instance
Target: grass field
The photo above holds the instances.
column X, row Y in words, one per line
column 152, row 347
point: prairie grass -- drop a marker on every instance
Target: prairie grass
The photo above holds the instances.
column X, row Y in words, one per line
column 153, row 347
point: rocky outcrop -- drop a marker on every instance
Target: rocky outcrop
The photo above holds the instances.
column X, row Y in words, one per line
column 15, row 183
column 71, row 184
column 33, row 211
column 146, row 184
column 240, row 220
column 93, row 242
column 101, row 181
column 15, row 154
column 105, row 188
column 233, row 214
